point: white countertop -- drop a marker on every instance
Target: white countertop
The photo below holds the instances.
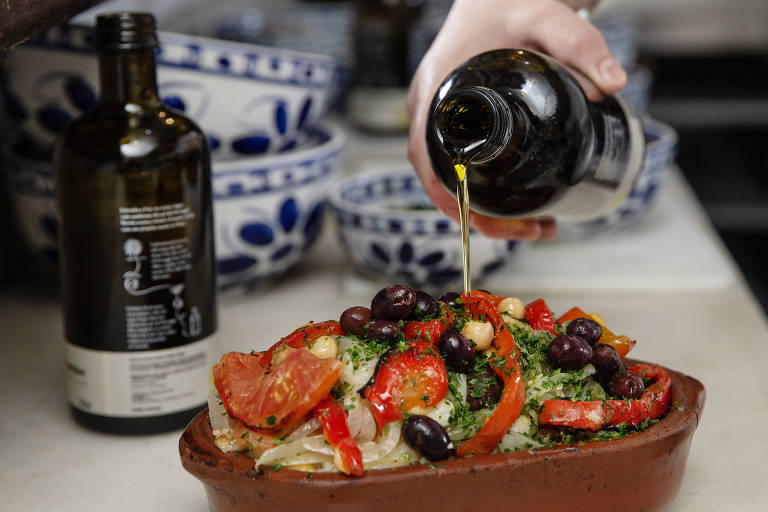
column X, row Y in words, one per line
column 711, row 329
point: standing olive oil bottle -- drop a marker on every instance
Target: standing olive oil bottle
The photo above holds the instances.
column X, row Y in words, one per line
column 133, row 186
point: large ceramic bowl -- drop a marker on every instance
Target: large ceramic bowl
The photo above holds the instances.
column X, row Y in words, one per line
column 267, row 210
column 248, row 99
column 388, row 227
column 640, row 472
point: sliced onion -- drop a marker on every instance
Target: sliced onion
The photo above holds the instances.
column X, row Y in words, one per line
column 304, row 430
column 388, row 439
column 308, row 450
column 361, row 422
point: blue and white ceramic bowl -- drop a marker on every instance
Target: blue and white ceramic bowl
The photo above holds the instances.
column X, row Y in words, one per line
column 620, row 28
column 250, row 100
column 661, row 149
column 388, row 227
column 33, row 201
column 638, row 88
column 267, row 210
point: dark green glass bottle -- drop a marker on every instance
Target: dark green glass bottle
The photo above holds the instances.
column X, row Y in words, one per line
column 133, row 186
column 532, row 142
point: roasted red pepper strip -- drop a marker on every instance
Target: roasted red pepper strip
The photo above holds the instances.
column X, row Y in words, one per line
column 303, row 337
column 479, row 308
column 572, row 314
column 403, row 380
column 538, row 314
column 348, row 457
column 504, row 363
column 493, row 299
column 430, row 330
column 596, row 414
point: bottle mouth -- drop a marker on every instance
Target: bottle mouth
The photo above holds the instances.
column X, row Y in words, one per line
column 125, row 31
column 473, row 124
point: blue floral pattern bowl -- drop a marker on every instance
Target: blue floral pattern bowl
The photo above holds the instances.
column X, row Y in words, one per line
column 267, row 210
column 660, row 152
column 388, row 227
column 250, row 100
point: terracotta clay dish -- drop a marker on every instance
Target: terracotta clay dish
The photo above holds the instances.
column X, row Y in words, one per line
column 642, row 471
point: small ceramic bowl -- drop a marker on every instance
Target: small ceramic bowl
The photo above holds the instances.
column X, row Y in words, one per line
column 620, row 28
column 249, row 100
column 388, row 227
column 638, row 88
column 267, row 210
column 33, row 201
column 640, row 472
column 661, row 148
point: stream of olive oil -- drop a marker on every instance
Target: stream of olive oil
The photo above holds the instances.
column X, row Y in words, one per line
column 463, row 198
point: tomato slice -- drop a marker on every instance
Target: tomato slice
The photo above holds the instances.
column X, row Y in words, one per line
column 273, row 399
column 303, row 337
column 403, row 380
column 596, row 414
column 538, row 314
column 430, row 330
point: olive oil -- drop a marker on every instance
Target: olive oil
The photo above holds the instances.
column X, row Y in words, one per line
column 133, row 188
column 463, row 198
column 535, row 144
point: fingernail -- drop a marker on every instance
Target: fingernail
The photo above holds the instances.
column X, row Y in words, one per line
column 610, row 70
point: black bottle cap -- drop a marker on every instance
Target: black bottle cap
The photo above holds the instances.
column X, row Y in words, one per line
column 125, row 31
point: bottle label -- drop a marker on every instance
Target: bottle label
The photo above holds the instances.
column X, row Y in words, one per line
column 139, row 384
column 156, row 314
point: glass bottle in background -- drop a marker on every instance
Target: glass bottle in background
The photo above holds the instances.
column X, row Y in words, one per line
column 531, row 141
column 133, row 188
column 383, row 63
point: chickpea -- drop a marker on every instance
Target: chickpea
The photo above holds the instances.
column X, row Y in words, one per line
column 513, row 307
column 479, row 333
column 324, row 347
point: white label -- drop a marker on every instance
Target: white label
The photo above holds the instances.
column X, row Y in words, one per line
column 142, row 383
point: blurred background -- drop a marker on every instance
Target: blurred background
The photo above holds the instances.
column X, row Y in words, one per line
column 697, row 68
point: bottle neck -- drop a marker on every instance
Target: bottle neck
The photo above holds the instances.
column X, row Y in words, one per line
column 128, row 77
column 474, row 124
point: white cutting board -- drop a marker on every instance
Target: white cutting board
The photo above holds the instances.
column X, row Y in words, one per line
column 673, row 248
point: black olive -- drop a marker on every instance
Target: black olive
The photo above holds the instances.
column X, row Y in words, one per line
column 569, row 352
column 483, row 389
column 393, row 303
column 450, row 299
column 627, row 385
column 385, row 330
column 353, row 320
column 606, row 360
column 426, row 306
column 428, row 437
column 457, row 350
column 586, row 329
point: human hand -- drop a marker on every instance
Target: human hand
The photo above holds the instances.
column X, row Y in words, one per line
column 473, row 27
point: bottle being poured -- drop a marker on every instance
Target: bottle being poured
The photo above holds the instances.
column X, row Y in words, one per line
column 514, row 135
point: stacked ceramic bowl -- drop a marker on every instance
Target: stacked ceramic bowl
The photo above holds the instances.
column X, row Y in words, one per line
column 388, row 227
column 259, row 106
